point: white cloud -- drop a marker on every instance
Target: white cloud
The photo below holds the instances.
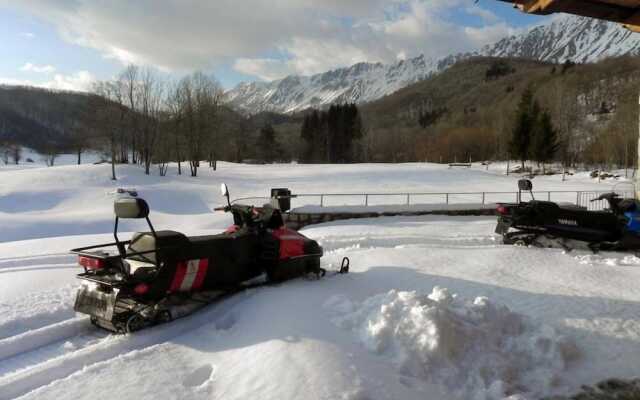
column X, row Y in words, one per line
column 79, row 82
column 266, row 38
column 490, row 34
column 483, row 13
column 264, row 68
column 305, row 57
column 28, row 35
column 41, row 69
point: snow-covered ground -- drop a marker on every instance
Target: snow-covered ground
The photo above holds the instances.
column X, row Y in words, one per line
column 435, row 307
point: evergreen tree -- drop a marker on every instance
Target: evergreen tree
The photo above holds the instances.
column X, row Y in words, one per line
column 545, row 139
column 307, row 136
column 268, row 146
column 329, row 136
column 526, row 117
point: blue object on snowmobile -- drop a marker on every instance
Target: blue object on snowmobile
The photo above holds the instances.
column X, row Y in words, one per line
column 633, row 224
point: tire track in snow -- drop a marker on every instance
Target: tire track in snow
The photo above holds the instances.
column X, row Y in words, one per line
column 19, row 345
column 24, row 381
column 44, row 267
column 334, row 243
column 34, row 261
column 36, row 310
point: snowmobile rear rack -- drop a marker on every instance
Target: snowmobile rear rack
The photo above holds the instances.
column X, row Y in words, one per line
column 525, row 185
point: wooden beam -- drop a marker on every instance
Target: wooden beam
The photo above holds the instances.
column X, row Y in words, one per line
column 621, row 11
column 633, row 21
column 537, row 6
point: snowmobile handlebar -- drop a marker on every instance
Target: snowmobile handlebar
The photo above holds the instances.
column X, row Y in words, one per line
column 605, row 196
column 250, row 216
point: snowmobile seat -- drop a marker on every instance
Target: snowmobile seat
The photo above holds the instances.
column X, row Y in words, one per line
column 161, row 246
column 222, row 246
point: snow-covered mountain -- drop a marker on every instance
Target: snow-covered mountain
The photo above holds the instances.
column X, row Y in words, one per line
column 565, row 38
column 359, row 83
column 578, row 39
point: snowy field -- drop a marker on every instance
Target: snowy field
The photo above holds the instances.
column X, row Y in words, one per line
column 435, row 307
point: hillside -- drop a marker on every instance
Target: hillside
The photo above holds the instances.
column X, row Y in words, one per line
column 57, row 121
column 41, row 119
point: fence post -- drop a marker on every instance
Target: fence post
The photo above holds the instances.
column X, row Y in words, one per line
column 483, row 196
column 321, row 200
column 366, row 200
column 549, row 196
column 577, row 198
column 408, row 198
column 446, row 198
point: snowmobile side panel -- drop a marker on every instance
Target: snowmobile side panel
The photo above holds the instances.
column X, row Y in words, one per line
column 291, row 243
column 189, row 275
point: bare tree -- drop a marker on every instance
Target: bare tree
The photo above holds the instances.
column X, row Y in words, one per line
column 198, row 96
column 4, row 151
column 176, row 120
column 150, row 100
column 50, row 155
column 105, row 102
column 15, row 150
column 128, row 86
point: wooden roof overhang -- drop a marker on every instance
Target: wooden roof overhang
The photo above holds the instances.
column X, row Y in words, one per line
column 626, row 12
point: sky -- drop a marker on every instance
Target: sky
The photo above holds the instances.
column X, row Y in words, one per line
column 68, row 44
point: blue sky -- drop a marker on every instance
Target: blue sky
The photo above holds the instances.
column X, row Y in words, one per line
column 67, row 44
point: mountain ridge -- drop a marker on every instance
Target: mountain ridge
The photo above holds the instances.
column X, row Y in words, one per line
column 578, row 39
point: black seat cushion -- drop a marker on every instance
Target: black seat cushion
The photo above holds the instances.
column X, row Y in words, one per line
column 164, row 245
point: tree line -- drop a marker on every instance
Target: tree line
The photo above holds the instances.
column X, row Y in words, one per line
column 479, row 109
column 147, row 120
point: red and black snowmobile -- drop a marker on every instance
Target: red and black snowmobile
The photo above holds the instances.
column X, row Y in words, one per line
column 158, row 276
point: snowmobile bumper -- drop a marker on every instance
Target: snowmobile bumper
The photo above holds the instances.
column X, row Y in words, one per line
column 503, row 226
column 94, row 302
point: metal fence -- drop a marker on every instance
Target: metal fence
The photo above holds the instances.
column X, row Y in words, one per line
column 581, row 198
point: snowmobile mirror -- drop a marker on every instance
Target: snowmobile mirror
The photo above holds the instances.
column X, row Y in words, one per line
column 225, row 192
column 131, row 208
column 525, row 185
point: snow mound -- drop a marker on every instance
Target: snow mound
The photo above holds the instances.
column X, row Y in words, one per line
column 476, row 349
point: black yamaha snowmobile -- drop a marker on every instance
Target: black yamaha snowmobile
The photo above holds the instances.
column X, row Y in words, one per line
column 158, row 276
column 548, row 224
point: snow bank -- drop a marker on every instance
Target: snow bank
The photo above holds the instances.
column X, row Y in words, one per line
column 476, row 349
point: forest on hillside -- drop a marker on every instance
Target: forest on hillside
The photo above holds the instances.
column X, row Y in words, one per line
column 471, row 111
